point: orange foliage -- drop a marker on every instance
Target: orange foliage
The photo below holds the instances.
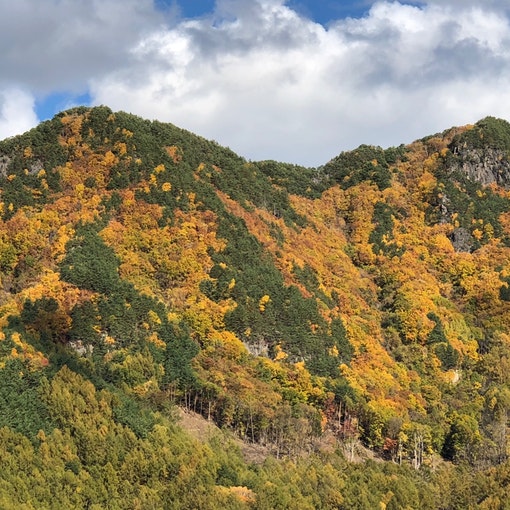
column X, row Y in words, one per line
column 175, row 153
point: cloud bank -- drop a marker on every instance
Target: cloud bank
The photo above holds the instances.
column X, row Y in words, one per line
column 264, row 80
column 16, row 112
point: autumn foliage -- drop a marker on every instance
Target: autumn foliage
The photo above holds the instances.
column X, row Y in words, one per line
column 362, row 306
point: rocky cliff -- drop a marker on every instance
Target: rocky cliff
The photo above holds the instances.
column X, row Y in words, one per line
column 485, row 166
column 481, row 152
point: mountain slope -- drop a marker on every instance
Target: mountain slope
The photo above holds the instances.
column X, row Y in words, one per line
column 143, row 266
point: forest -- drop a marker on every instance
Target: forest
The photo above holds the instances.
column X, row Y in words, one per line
column 341, row 334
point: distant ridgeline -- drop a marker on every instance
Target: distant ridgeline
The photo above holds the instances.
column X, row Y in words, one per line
column 318, row 316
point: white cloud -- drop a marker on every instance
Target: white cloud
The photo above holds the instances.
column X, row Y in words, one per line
column 262, row 79
column 53, row 45
column 272, row 84
column 16, row 112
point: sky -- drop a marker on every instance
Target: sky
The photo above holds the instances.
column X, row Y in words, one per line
column 297, row 81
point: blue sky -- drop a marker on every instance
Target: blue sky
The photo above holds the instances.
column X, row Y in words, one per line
column 296, row 80
column 328, row 10
column 47, row 106
column 321, row 11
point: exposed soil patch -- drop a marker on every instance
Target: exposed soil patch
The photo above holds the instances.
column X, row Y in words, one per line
column 200, row 428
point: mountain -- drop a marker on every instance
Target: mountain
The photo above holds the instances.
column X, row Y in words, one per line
column 350, row 322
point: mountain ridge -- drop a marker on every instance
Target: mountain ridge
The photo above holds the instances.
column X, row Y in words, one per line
column 366, row 298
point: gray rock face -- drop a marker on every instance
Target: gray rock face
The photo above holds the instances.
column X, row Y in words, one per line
column 462, row 240
column 4, row 163
column 35, row 167
column 485, row 166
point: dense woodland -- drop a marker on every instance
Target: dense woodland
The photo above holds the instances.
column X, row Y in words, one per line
column 351, row 322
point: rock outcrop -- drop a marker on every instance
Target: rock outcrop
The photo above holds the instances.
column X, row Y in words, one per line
column 4, row 163
column 485, row 166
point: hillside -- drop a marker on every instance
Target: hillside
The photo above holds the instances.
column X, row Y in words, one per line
column 310, row 312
